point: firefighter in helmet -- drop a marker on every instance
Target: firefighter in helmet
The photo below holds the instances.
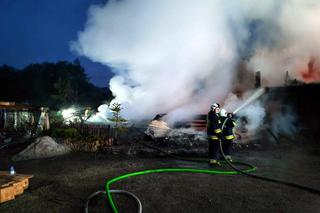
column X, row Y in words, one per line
column 214, row 134
column 227, row 132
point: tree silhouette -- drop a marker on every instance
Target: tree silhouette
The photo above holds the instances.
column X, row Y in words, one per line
column 53, row 85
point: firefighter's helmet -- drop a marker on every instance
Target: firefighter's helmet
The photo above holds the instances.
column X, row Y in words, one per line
column 223, row 113
column 215, row 105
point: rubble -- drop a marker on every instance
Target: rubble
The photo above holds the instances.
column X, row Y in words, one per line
column 42, row 147
column 157, row 129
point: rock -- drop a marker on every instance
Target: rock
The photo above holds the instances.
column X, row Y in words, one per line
column 42, row 147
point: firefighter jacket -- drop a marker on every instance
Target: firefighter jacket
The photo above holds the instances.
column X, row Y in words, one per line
column 227, row 131
column 213, row 126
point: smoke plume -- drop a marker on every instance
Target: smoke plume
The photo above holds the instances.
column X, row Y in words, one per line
column 290, row 44
column 178, row 56
column 284, row 122
column 254, row 110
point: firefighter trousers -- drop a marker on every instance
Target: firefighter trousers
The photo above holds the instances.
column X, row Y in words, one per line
column 214, row 147
column 227, row 146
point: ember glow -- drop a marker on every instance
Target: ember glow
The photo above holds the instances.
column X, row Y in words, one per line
column 312, row 72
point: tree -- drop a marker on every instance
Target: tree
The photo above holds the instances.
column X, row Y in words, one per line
column 65, row 92
column 53, row 85
column 116, row 118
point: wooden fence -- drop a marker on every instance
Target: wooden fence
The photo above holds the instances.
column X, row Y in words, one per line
column 96, row 130
column 104, row 134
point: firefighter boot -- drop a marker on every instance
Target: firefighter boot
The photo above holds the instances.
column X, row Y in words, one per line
column 228, row 158
column 214, row 163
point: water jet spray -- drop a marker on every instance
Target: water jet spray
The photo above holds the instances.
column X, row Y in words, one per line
column 251, row 99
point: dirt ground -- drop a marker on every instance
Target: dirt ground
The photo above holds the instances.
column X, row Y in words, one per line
column 62, row 184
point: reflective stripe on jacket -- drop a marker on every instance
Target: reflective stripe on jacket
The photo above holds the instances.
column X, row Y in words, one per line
column 229, row 137
column 228, row 128
column 213, row 137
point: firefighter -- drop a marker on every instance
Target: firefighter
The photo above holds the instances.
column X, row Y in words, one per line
column 214, row 134
column 227, row 133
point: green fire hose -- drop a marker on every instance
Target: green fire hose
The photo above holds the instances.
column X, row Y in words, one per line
column 185, row 170
column 235, row 171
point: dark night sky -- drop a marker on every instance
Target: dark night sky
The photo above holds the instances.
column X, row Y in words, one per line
column 34, row 31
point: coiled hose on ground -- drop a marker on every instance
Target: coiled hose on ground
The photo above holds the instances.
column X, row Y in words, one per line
column 115, row 191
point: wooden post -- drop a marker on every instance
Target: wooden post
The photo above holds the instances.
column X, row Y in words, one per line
column 5, row 119
column 46, row 121
column 15, row 119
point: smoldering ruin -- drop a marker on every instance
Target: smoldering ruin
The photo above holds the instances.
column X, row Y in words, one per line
column 276, row 148
column 142, row 143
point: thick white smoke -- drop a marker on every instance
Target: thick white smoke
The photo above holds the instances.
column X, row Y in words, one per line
column 102, row 115
column 289, row 42
column 284, row 122
column 178, row 56
column 254, row 110
column 255, row 114
column 169, row 56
